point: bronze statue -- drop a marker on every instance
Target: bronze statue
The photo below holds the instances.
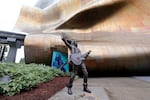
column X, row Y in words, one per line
column 76, row 58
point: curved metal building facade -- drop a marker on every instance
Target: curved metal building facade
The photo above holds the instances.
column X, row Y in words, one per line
column 117, row 32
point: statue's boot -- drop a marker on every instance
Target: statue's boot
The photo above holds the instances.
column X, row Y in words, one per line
column 69, row 91
column 85, row 88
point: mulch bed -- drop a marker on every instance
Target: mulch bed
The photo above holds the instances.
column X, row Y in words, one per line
column 42, row 92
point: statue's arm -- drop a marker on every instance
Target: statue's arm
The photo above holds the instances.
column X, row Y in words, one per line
column 66, row 41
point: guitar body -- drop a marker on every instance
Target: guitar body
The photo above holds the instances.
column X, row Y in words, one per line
column 76, row 58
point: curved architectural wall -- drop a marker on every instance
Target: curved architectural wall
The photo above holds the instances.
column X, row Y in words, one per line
column 117, row 32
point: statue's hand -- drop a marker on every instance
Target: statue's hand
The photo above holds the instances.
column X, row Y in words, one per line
column 63, row 36
column 89, row 51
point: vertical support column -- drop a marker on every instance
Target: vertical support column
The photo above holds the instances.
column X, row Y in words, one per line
column 2, row 52
column 12, row 53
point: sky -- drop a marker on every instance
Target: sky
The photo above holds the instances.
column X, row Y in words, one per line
column 9, row 12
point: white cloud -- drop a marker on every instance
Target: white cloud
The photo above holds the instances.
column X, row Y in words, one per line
column 9, row 12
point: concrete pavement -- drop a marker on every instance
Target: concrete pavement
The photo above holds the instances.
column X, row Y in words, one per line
column 115, row 88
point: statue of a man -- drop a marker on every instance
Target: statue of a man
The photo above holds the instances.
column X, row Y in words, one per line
column 76, row 58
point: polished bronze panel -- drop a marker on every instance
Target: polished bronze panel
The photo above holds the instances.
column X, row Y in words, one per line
column 127, row 51
column 117, row 32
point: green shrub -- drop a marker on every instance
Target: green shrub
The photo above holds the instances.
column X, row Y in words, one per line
column 25, row 76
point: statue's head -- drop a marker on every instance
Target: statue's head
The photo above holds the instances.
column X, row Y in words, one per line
column 74, row 42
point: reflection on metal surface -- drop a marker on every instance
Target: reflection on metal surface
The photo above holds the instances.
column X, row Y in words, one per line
column 87, row 16
column 128, row 51
column 117, row 32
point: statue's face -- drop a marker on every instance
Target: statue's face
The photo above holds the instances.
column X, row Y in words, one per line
column 74, row 42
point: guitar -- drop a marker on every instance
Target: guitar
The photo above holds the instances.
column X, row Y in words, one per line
column 77, row 58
